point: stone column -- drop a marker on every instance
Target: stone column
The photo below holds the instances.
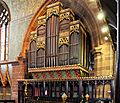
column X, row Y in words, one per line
column 104, row 58
column 108, row 59
column 97, row 61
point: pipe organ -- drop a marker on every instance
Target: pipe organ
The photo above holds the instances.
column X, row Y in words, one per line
column 58, row 54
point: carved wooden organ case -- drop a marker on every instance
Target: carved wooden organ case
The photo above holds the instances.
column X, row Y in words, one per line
column 59, row 42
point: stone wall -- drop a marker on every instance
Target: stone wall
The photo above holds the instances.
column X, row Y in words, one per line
column 22, row 12
column 104, row 60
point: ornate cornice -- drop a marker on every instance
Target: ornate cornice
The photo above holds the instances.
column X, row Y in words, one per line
column 54, row 9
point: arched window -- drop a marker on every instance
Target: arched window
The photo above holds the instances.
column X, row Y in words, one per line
column 4, row 30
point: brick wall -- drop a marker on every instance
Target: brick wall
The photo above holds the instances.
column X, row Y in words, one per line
column 18, row 72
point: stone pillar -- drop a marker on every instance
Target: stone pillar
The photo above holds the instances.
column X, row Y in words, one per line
column 104, row 58
column 97, row 61
column 18, row 72
column 108, row 59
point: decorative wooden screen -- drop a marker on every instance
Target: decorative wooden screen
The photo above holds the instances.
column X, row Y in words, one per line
column 59, row 39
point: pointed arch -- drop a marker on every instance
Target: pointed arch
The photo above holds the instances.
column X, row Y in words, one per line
column 81, row 9
column 5, row 18
column 6, row 7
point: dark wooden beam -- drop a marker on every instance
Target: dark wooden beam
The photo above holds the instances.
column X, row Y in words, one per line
column 8, row 62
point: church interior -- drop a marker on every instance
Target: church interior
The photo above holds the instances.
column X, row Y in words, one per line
column 61, row 51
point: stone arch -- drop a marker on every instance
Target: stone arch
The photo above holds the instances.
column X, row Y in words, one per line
column 81, row 9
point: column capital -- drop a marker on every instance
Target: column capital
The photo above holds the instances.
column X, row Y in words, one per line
column 97, row 50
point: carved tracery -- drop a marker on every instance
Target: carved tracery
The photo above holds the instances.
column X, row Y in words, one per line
column 63, row 38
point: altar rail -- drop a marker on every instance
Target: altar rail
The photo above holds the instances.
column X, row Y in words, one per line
column 83, row 89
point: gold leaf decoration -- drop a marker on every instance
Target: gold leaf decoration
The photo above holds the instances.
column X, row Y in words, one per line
column 33, row 36
column 41, row 21
column 53, row 9
column 63, row 38
column 74, row 28
column 66, row 14
column 41, row 42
